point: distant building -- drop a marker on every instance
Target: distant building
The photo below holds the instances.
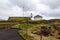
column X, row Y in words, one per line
column 18, row 18
column 37, row 17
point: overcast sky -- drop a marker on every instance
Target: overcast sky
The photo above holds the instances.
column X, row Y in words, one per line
column 46, row 8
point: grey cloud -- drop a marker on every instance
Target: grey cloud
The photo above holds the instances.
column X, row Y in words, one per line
column 29, row 6
column 52, row 3
column 53, row 9
column 52, row 13
column 24, row 3
column 5, row 9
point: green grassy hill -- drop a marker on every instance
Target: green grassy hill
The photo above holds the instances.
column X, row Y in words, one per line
column 30, row 26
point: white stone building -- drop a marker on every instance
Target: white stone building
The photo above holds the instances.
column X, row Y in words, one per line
column 38, row 17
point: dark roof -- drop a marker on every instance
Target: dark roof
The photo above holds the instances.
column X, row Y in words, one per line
column 37, row 16
column 18, row 18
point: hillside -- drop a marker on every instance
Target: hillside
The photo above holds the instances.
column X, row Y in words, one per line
column 31, row 30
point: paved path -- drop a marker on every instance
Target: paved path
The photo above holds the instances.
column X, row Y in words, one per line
column 10, row 34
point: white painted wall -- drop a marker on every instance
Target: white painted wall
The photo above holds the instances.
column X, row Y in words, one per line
column 37, row 18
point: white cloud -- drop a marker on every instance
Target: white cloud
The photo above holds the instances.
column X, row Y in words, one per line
column 51, row 3
column 3, row 1
column 47, row 8
column 13, row 11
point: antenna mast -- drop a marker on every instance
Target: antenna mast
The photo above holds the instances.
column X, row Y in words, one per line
column 23, row 9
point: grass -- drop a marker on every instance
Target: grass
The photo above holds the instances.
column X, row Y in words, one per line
column 24, row 27
column 24, row 35
column 23, row 32
column 31, row 27
column 8, row 22
column 15, row 26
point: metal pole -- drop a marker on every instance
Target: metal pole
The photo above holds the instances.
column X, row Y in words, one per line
column 23, row 8
column 26, row 20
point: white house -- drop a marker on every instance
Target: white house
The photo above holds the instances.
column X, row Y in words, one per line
column 37, row 17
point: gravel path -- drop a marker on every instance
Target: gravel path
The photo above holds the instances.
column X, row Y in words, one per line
column 10, row 34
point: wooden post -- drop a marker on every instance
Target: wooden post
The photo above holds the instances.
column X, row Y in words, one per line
column 41, row 34
column 41, row 37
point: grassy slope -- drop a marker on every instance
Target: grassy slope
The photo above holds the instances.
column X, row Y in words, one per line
column 25, row 28
column 26, row 31
column 29, row 27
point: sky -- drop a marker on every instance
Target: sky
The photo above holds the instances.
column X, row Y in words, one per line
column 47, row 8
